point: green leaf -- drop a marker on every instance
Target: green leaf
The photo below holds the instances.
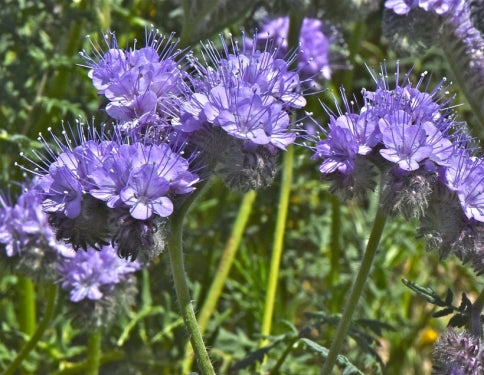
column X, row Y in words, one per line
column 428, row 293
column 341, row 360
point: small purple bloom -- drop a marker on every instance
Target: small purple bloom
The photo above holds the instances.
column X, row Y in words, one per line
column 93, row 274
column 64, row 192
column 145, row 194
column 338, row 151
column 404, row 144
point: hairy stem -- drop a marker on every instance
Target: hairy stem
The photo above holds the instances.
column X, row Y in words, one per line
column 175, row 252
column 29, row 345
column 356, row 291
column 223, row 270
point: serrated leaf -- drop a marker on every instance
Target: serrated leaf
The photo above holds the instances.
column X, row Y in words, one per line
column 444, row 312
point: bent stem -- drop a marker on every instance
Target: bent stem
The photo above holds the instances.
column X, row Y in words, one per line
column 223, row 270
column 93, row 359
column 49, row 313
column 356, row 290
column 175, row 252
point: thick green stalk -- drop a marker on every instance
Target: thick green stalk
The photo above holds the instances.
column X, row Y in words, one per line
column 29, row 345
column 223, row 270
column 175, row 252
column 93, row 360
column 26, row 309
column 278, row 243
column 356, row 290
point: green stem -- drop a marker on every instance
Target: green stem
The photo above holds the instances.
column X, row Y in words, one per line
column 356, row 291
column 26, row 308
column 49, row 313
column 223, row 270
column 476, row 310
column 93, row 360
column 278, row 243
column 175, row 252
column 282, row 358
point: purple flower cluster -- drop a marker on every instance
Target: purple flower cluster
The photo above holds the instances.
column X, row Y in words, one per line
column 103, row 187
column 136, row 176
column 407, row 127
column 140, row 84
column 248, row 94
column 426, row 159
column 93, row 274
column 440, row 7
column 313, row 58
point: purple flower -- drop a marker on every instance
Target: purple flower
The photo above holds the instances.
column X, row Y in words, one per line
column 458, row 353
column 338, row 151
column 63, row 192
column 440, row 7
column 404, row 144
column 94, row 274
column 465, row 176
column 96, row 191
column 145, row 194
column 141, row 177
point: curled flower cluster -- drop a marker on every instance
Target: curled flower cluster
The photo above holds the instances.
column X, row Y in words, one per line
column 29, row 241
column 425, row 158
column 313, row 58
column 103, row 191
column 230, row 116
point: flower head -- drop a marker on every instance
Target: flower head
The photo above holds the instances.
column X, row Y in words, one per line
column 244, row 94
column 92, row 274
column 140, row 84
column 88, row 187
